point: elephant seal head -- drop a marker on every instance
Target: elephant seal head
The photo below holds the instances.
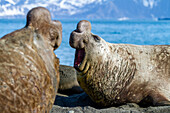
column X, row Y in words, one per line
column 90, row 48
column 39, row 19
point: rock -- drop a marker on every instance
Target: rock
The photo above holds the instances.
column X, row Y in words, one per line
column 81, row 103
column 68, row 81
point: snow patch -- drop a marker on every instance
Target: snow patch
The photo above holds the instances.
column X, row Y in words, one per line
column 72, row 6
column 136, row 1
column 26, row 2
column 11, row 2
column 154, row 18
column 150, row 3
column 11, row 12
column 30, row 6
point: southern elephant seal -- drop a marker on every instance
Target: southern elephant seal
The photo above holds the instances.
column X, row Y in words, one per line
column 68, row 81
column 29, row 71
column 114, row 74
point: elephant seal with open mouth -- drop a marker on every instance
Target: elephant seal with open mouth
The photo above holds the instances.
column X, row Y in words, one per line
column 114, row 74
column 29, row 71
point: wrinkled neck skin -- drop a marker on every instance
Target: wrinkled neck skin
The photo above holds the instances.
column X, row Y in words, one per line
column 108, row 72
column 115, row 67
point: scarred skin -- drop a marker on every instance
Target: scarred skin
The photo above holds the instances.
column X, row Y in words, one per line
column 114, row 74
column 29, row 75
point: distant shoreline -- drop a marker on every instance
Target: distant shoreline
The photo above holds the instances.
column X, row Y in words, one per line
column 163, row 18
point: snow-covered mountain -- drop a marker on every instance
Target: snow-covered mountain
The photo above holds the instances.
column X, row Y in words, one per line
column 116, row 9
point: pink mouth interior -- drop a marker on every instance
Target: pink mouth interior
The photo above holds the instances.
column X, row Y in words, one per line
column 79, row 56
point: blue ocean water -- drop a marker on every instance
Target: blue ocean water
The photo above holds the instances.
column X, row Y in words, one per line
column 129, row 32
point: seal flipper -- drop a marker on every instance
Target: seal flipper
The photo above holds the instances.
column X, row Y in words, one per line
column 163, row 103
column 160, row 99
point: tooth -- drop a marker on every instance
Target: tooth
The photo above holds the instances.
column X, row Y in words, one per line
column 79, row 64
column 86, row 68
column 82, row 65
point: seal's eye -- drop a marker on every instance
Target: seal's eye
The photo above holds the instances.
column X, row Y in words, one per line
column 96, row 38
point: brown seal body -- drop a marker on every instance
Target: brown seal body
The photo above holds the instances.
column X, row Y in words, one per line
column 68, row 81
column 29, row 75
column 114, row 74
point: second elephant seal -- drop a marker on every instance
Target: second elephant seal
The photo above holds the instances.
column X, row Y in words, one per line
column 114, row 74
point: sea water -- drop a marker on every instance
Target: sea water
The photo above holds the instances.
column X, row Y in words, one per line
column 129, row 32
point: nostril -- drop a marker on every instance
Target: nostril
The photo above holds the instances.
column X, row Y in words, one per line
column 77, row 40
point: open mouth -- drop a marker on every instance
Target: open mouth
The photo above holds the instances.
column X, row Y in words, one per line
column 80, row 62
column 79, row 57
